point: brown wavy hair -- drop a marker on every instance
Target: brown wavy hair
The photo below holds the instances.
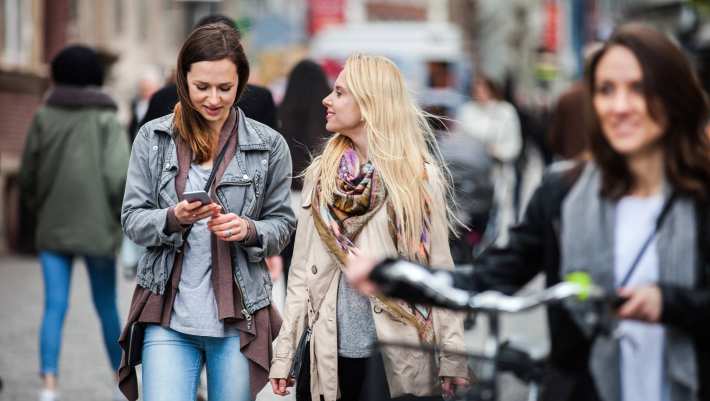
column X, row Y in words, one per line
column 671, row 87
column 210, row 42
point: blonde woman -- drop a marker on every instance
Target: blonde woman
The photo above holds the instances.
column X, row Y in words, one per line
column 376, row 187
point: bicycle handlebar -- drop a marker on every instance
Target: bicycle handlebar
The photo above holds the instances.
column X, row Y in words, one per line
column 492, row 301
column 413, row 282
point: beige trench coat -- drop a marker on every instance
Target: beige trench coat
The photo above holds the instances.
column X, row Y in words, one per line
column 313, row 280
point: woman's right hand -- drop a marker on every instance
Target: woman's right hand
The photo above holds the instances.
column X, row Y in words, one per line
column 280, row 386
column 189, row 212
column 359, row 267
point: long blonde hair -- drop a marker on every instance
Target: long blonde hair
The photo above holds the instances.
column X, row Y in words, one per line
column 400, row 144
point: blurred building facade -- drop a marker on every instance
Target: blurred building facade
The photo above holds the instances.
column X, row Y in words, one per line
column 130, row 35
column 534, row 44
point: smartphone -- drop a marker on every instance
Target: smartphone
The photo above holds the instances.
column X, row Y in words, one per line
column 200, row 196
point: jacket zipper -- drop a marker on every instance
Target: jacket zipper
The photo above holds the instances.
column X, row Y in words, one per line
column 245, row 312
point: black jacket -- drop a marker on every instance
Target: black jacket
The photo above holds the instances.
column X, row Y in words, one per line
column 256, row 102
column 534, row 248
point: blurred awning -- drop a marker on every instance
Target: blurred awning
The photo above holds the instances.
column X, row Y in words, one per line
column 431, row 41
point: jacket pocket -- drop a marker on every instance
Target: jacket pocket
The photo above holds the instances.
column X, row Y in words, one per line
column 237, row 195
column 154, row 267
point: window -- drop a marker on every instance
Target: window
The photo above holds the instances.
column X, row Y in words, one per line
column 17, row 32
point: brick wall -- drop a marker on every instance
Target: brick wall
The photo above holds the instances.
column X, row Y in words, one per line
column 17, row 112
column 20, row 96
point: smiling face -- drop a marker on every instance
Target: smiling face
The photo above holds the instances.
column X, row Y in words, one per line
column 342, row 112
column 622, row 106
column 212, row 86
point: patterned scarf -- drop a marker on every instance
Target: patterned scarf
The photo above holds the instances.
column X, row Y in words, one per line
column 360, row 194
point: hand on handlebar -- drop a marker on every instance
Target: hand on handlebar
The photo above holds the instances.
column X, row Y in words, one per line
column 644, row 304
column 358, row 272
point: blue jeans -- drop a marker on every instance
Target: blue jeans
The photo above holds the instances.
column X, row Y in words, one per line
column 57, row 270
column 172, row 362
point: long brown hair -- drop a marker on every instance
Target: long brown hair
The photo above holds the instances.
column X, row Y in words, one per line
column 670, row 87
column 206, row 43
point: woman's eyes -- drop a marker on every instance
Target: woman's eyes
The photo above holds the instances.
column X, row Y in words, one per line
column 607, row 88
column 205, row 87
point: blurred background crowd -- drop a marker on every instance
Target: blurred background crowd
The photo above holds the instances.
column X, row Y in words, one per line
column 504, row 72
column 501, row 79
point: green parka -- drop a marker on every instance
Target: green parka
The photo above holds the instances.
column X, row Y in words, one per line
column 73, row 172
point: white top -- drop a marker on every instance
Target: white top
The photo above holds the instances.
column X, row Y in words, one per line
column 643, row 377
column 496, row 125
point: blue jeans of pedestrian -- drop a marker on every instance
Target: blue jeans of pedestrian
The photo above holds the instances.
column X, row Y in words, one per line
column 172, row 363
column 57, row 270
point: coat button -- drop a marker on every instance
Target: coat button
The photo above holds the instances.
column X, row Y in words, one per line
column 314, row 269
column 377, row 309
column 263, row 161
column 155, row 147
column 246, row 177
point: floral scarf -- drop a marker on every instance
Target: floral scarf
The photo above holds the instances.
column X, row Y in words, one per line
column 360, row 194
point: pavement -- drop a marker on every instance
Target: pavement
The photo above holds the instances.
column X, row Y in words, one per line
column 85, row 374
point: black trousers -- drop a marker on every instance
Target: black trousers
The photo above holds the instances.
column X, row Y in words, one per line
column 363, row 379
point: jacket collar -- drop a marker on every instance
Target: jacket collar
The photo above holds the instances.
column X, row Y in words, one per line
column 250, row 133
column 79, row 96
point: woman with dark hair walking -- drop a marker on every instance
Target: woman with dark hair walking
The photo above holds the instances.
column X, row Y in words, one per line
column 72, row 176
column 204, row 295
column 636, row 218
column 301, row 124
column 301, row 115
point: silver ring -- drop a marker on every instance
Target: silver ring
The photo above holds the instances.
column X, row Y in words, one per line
column 228, row 233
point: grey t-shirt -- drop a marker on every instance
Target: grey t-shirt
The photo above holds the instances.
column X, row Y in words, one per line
column 356, row 327
column 195, row 308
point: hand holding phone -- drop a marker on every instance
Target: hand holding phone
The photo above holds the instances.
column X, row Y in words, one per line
column 200, row 196
column 196, row 205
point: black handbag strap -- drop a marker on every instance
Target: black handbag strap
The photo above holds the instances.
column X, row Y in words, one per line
column 218, row 161
column 213, row 173
column 659, row 222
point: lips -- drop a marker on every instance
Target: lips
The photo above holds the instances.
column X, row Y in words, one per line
column 624, row 129
column 212, row 111
column 329, row 114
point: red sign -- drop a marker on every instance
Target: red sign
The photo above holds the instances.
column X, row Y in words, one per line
column 323, row 13
column 551, row 28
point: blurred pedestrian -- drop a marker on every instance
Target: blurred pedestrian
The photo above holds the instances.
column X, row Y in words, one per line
column 256, row 102
column 494, row 122
column 203, row 293
column 375, row 173
column 636, row 219
column 471, row 170
column 148, row 84
column 301, row 117
column 73, row 173
column 567, row 136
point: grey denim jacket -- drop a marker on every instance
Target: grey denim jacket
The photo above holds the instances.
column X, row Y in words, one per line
column 255, row 184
